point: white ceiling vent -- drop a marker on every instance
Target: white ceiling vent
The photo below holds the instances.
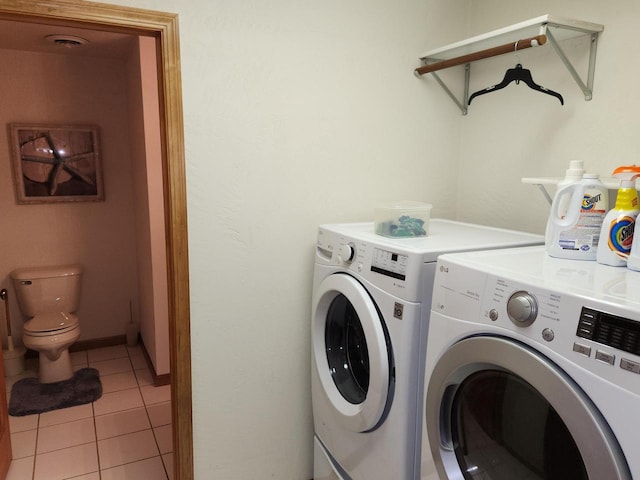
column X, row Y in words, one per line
column 67, row 41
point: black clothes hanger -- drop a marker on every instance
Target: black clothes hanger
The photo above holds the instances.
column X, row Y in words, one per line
column 517, row 74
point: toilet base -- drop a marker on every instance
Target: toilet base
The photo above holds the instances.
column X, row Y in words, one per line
column 53, row 346
column 55, row 370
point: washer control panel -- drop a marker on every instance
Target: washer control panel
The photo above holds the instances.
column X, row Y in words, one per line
column 389, row 263
column 392, row 268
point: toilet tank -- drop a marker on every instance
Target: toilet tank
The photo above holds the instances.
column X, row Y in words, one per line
column 47, row 289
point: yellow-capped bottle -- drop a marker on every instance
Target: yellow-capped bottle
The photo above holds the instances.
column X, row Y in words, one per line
column 616, row 235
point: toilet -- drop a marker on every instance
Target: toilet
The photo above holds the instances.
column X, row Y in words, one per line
column 48, row 296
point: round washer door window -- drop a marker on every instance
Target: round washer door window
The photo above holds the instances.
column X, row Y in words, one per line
column 350, row 352
column 498, row 410
column 347, row 353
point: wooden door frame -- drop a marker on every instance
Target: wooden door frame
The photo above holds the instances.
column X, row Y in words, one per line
column 164, row 27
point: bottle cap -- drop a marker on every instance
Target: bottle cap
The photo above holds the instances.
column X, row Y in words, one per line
column 627, row 175
column 575, row 170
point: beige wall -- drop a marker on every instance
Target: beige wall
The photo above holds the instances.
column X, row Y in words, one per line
column 296, row 113
column 299, row 113
column 45, row 88
column 518, row 133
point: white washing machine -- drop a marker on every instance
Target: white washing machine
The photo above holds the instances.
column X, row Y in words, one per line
column 532, row 369
column 371, row 304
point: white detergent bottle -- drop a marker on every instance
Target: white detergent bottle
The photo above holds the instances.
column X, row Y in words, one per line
column 633, row 261
column 573, row 174
column 574, row 233
column 616, row 235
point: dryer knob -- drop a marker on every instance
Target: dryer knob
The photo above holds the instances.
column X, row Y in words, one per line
column 348, row 252
column 522, row 309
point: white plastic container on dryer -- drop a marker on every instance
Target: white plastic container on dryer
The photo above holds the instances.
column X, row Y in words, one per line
column 576, row 217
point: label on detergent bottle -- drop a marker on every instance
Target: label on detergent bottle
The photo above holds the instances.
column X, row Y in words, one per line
column 620, row 236
column 585, row 234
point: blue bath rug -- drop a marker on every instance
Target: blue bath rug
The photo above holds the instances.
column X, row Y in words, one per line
column 29, row 396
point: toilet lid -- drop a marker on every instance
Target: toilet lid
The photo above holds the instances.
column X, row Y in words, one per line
column 49, row 323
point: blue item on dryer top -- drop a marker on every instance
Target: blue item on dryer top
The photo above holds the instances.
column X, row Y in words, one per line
column 403, row 219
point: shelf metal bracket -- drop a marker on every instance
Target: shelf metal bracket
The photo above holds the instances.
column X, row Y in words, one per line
column 546, row 195
column 587, row 88
column 465, row 96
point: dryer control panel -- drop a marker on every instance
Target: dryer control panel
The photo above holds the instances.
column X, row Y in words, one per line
column 611, row 330
column 583, row 326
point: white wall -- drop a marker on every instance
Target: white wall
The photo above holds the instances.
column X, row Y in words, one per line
column 517, row 132
column 296, row 113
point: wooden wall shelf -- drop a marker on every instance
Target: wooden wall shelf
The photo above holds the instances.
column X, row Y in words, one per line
column 531, row 33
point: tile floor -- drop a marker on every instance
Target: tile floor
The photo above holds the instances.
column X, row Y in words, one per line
column 124, row 435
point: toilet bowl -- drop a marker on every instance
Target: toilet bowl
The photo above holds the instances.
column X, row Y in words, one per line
column 49, row 296
column 52, row 344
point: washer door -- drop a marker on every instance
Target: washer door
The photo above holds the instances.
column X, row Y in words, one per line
column 498, row 410
column 351, row 354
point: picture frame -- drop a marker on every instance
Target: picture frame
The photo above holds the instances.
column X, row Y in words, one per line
column 56, row 163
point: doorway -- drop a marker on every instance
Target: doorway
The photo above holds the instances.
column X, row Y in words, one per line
column 163, row 27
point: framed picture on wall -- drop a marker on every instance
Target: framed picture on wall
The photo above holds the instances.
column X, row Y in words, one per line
column 55, row 163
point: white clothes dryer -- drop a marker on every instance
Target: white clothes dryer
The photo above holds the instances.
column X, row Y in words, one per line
column 532, row 369
column 371, row 304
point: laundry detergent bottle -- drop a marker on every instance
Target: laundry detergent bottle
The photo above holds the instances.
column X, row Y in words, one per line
column 633, row 261
column 616, row 235
column 572, row 175
column 576, row 217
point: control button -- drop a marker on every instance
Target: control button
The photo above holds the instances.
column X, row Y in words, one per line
column 630, row 365
column 348, row 252
column 605, row 357
column 582, row 349
column 360, row 267
column 548, row 334
column 493, row 314
column 587, row 323
column 584, row 332
column 522, row 309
